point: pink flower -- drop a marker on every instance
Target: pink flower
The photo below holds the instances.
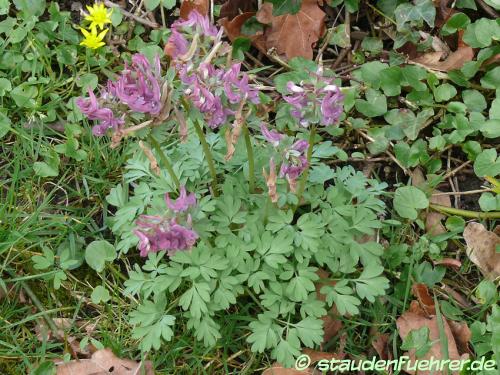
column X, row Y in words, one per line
column 158, row 234
column 91, row 109
column 271, row 136
column 182, row 203
column 196, row 21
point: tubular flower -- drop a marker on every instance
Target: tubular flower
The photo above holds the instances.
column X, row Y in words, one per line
column 98, row 15
column 165, row 233
column 182, row 203
column 315, row 102
column 271, row 136
column 183, row 32
column 139, row 86
column 295, row 162
column 159, row 234
column 91, row 109
column 92, row 39
column 216, row 92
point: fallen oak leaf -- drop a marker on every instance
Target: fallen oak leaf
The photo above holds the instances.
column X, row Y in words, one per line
column 381, row 345
column 481, row 249
column 293, row 35
column 202, row 6
column 411, row 321
column 233, row 30
column 103, row 362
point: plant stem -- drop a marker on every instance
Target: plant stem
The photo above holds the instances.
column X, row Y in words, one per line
column 465, row 213
column 166, row 163
column 251, row 162
column 208, row 155
column 305, row 175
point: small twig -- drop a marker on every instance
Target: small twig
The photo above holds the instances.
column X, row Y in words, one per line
column 388, row 153
column 456, row 170
column 153, row 25
column 491, row 12
column 470, row 192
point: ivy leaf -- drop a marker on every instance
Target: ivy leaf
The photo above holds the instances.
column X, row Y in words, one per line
column 374, row 105
column 281, row 7
column 422, row 10
column 100, row 294
column 98, row 253
column 407, row 200
column 487, row 163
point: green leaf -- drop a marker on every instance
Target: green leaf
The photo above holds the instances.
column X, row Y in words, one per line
column 67, row 54
column 489, row 202
column 5, row 86
column 418, row 339
column 423, row 10
column 474, row 100
column 100, row 294
column 480, row 33
column 43, row 169
column 374, row 105
column 390, row 80
column 87, row 81
column 4, row 125
column 373, row 45
column 407, row 200
column 487, row 163
column 340, row 37
column 98, row 253
column 444, row 92
column 265, row 333
column 195, row 299
column 44, row 261
column 24, row 95
column 370, row 284
column 456, row 22
column 491, row 79
column 151, row 4
column 30, row 7
column 281, row 7
column 310, row 331
column 45, row 368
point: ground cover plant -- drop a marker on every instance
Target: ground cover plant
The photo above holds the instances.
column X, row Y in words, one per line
column 239, row 187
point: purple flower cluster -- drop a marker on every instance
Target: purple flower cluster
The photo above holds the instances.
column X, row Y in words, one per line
column 215, row 91
column 294, row 157
column 319, row 102
column 182, row 30
column 91, row 108
column 159, row 233
column 295, row 162
column 139, row 85
column 138, row 88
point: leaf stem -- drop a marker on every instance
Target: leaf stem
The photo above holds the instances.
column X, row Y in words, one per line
column 251, row 162
column 465, row 213
column 166, row 163
column 305, row 175
column 208, row 155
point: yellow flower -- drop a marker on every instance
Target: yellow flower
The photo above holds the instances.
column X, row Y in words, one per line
column 98, row 15
column 92, row 39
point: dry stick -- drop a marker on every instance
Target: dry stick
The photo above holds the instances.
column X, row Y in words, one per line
column 388, row 153
column 456, row 170
column 153, row 25
column 469, row 192
column 491, row 12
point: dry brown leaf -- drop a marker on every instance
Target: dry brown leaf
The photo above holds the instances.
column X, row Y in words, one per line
column 202, row 6
column 233, row 30
column 433, row 220
column 293, row 35
column 231, row 8
column 103, row 362
column 316, row 355
column 44, row 333
column 481, row 249
column 424, row 298
column 381, row 345
column 455, row 60
column 412, row 321
column 277, row 369
column 331, row 324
